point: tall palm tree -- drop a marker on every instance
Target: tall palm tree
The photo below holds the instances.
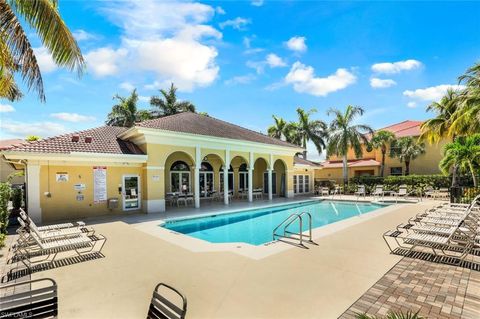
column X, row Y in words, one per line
column 407, row 149
column 311, row 130
column 277, row 130
column 167, row 104
column 125, row 112
column 17, row 54
column 464, row 152
column 345, row 135
column 381, row 140
column 293, row 133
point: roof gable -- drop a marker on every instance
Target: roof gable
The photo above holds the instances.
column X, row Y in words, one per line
column 405, row 128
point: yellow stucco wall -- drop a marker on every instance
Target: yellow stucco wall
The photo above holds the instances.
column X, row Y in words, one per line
column 63, row 203
column 6, row 170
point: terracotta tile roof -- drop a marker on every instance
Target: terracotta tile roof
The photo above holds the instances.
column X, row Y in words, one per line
column 405, row 128
column 6, row 144
column 104, row 140
column 350, row 163
column 301, row 161
column 194, row 123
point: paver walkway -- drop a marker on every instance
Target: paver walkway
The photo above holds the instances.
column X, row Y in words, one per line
column 435, row 290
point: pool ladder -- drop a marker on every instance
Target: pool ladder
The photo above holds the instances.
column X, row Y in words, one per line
column 300, row 236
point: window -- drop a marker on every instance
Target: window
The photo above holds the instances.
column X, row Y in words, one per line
column 242, row 177
column 295, row 190
column 274, row 183
column 300, row 183
column 180, row 177
column 396, row 171
column 206, row 179
column 307, row 184
column 230, row 179
column 180, row 166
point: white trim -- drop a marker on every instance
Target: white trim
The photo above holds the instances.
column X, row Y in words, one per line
column 139, row 192
column 78, row 156
column 154, row 168
column 33, row 193
column 153, row 206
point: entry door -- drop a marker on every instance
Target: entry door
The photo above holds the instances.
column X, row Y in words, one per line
column 274, row 183
column 206, row 183
column 131, row 192
column 180, row 182
column 243, row 181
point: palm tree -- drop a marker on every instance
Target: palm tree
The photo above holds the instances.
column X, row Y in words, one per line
column 463, row 153
column 125, row 112
column 293, row 134
column 345, row 135
column 381, row 140
column 17, row 54
column 167, row 104
column 310, row 130
column 277, row 130
column 406, row 149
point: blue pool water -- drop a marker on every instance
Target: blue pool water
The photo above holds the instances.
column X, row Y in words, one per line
column 255, row 226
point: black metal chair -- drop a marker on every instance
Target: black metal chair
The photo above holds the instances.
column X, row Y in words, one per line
column 36, row 303
column 162, row 308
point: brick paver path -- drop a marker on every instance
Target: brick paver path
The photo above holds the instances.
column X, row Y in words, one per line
column 435, row 290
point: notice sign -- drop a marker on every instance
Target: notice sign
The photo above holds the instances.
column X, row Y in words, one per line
column 99, row 184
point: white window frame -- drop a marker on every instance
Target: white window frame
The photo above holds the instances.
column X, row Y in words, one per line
column 243, row 175
column 139, row 192
column 296, row 184
column 206, row 172
column 181, row 172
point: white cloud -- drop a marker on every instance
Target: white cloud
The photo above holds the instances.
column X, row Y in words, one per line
column 219, row 10
column 297, row 44
column 238, row 23
column 432, row 93
column 412, row 104
column 274, row 61
column 304, row 81
column 143, row 98
column 44, row 60
column 127, row 86
column 257, row 3
column 6, row 108
column 72, row 117
column 82, row 35
column 396, row 67
column 23, row 129
column 165, row 39
column 104, row 61
column 377, row 83
column 241, row 79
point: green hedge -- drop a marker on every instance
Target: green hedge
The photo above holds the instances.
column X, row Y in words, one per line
column 413, row 182
column 5, row 193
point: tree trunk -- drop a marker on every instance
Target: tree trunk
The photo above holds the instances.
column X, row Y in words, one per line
column 382, row 167
column 407, row 168
column 305, row 154
column 474, row 176
column 454, row 176
column 345, row 170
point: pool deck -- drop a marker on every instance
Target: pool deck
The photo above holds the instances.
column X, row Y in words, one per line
column 320, row 282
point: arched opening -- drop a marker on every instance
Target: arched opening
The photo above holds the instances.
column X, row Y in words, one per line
column 240, row 176
column 180, row 177
column 279, row 182
column 260, row 178
column 231, row 179
column 207, row 180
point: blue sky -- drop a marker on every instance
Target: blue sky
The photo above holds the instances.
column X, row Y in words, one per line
column 243, row 61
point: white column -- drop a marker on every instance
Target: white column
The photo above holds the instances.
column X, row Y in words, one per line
column 250, row 178
column 270, row 183
column 33, row 192
column 225, row 176
column 198, row 163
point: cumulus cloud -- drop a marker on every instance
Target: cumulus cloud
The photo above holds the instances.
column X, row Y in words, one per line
column 238, row 23
column 219, row 10
column 432, row 93
column 82, row 35
column 297, row 44
column 44, row 60
column 127, row 86
column 166, row 39
column 72, row 117
column 274, row 61
column 241, row 79
column 23, row 129
column 304, row 80
column 257, row 3
column 105, row 61
column 396, row 67
column 6, row 108
column 412, row 104
column 377, row 83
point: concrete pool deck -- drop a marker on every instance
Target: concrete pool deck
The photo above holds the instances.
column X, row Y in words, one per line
column 320, row 282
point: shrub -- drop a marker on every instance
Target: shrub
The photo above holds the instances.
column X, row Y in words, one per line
column 5, row 193
column 391, row 183
column 17, row 198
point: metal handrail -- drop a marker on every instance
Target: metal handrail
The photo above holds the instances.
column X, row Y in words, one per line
column 309, row 225
column 289, row 221
column 284, row 221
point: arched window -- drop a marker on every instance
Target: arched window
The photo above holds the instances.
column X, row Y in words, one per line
column 206, row 167
column 243, row 167
column 180, row 166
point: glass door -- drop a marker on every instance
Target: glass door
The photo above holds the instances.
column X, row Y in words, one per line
column 131, row 192
column 243, row 181
column 206, row 183
column 180, row 182
column 274, row 183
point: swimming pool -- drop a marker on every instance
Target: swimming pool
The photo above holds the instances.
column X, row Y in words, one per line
column 255, row 226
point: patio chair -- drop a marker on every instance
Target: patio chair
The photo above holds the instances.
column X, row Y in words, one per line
column 402, row 192
column 378, row 191
column 162, row 307
column 429, row 191
column 46, row 233
column 28, row 220
column 39, row 302
column 324, row 191
column 360, row 191
column 442, row 193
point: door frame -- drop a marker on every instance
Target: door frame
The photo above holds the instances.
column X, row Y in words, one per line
column 139, row 192
column 181, row 172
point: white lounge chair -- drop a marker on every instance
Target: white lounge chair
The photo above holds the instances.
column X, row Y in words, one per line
column 28, row 220
column 402, row 192
column 360, row 191
column 324, row 191
column 378, row 191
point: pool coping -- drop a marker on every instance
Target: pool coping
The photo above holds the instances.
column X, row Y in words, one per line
column 248, row 250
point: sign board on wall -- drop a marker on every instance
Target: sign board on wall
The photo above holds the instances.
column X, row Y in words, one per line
column 79, row 187
column 99, row 184
column 61, row 177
